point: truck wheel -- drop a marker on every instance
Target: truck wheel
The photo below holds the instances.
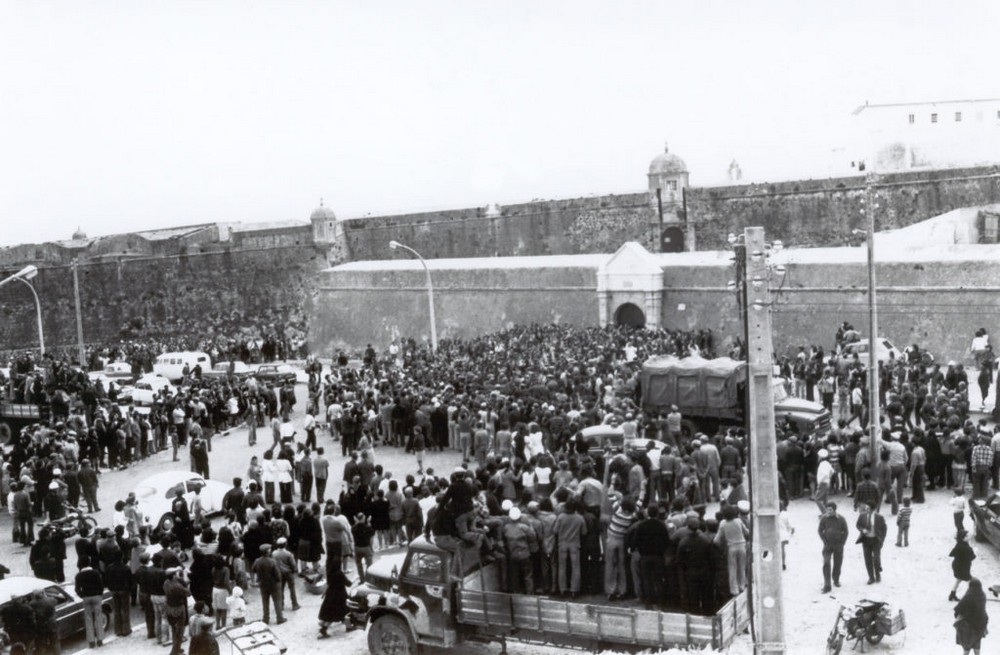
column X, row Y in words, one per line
column 389, row 635
column 688, row 429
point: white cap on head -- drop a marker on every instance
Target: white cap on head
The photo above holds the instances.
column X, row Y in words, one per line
column 515, row 514
column 506, row 505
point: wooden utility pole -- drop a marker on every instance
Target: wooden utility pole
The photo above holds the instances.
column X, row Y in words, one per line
column 874, row 424
column 79, row 317
column 768, row 614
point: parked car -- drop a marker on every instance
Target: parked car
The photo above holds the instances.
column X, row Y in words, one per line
column 883, row 349
column 145, row 389
column 69, row 607
column 119, row 372
column 157, row 492
column 171, row 365
column 986, row 516
column 220, row 371
column 276, row 373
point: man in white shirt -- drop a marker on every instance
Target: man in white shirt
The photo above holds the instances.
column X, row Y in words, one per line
column 824, row 475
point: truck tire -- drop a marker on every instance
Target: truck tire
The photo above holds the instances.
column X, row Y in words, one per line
column 688, row 429
column 390, row 635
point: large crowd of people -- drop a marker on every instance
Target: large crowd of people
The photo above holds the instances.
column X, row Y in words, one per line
column 556, row 514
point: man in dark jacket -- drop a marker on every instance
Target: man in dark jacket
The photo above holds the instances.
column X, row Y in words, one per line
column 695, row 561
column 19, row 622
column 118, row 580
column 651, row 539
column 233, row 501
column 46, row 628
column 833, row 531
column 90, row 588
column 176, row 592
column 872, row 530
column 150, row 579
column 269, row 578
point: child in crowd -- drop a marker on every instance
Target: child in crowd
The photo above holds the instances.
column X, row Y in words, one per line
column 419, row 445
column 785, row 530
column 958, row 509
column 903, row 523
column 237, row 607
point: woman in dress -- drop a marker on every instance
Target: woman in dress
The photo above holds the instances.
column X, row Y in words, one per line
column 971, row 618
column 961, row 562
column 334, row 606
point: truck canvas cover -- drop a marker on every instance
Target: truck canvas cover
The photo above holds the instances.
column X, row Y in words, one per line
column 703, row 387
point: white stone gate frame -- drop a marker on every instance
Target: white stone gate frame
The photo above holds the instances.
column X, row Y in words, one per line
column 631, row 275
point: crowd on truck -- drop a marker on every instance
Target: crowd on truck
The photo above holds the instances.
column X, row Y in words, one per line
column 558, row 515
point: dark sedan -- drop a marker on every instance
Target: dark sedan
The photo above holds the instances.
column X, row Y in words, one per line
column 69, row 608
column 276, row 373
column 986, row 516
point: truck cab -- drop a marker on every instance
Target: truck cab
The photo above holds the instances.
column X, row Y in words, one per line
column 408, row 597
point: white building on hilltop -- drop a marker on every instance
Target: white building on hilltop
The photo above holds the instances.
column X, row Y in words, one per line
column 913, row 135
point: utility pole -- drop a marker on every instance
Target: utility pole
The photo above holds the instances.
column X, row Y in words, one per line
column 768, row 613
column 874, row 424
column 79, row 316
column 658, row 240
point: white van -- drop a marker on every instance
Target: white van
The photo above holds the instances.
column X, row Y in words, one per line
column 171, row 365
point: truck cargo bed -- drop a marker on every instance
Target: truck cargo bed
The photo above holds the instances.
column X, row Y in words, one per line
column 587, row 625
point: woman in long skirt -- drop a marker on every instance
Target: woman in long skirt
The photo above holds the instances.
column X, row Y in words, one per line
column 334, row 607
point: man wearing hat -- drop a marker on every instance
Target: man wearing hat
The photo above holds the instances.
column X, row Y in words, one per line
column 269, row 578
column 521, row 542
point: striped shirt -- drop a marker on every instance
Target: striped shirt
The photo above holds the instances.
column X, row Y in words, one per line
column 620, row 523
column 903, row 520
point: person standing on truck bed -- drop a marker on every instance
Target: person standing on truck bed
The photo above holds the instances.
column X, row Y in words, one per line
column 651, row 539
column 695, row 564
column 570, row 526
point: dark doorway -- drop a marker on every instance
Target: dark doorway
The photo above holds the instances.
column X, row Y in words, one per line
column 630, row 315
column 672, row 240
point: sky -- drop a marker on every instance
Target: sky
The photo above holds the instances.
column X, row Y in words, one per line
column 123, row 116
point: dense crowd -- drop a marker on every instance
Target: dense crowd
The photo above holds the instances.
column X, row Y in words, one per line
column 556, row 514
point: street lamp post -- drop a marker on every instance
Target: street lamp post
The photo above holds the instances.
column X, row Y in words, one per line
column 23, row 275
column 430, row 290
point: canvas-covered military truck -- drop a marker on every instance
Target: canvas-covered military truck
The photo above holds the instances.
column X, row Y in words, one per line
column 415, row 598
column 16, row 416
column 712, row 392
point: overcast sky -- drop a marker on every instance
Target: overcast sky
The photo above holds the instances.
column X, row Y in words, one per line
column 119, row 116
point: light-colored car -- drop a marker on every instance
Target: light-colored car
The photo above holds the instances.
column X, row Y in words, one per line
column 147, row 387
column 883, row 348
column 221, row 371
column 69, row 607
column 156, row 495
column 120, row 372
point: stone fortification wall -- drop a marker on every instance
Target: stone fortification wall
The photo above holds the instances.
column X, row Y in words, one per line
column 823, row 212
column 194, row 295
column 357, row 307
column 936, row 304
column 800, row 212
column 547, row 227
column 939, row 305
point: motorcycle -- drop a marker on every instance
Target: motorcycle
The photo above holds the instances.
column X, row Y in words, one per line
column 867, row 621
column 72, row 524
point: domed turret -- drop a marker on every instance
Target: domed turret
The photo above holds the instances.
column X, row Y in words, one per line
column 667, row 163
column 79, row 235
column 322, row 213
column 324, row 223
